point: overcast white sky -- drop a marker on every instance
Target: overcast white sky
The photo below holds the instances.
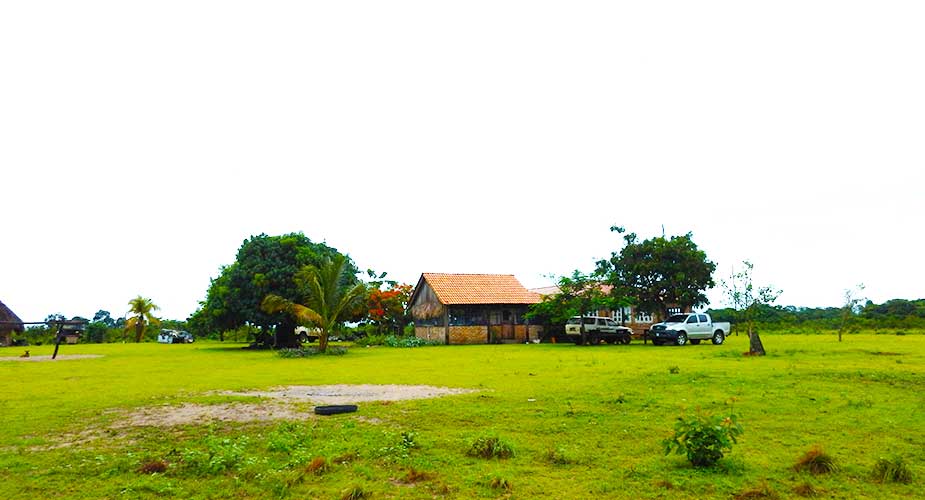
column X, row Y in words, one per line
column 142, row 142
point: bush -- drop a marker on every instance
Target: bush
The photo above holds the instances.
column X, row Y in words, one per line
column 892, row 470
column 305, row 352
column 490, row 447
column 394, row 341
column 816, row 461
column 370, row 340
column 703, row 438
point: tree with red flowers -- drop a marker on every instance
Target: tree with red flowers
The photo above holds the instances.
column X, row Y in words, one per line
column 386, row 304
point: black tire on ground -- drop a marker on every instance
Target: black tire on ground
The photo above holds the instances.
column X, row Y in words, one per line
column 626, row 340
column 695, row 341
column 335, row 409
column 682, row 339
column 718, row 337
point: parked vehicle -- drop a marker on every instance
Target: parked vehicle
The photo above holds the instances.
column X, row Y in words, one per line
column 679, row 329
column 597, row 329
column 175, row 337
column 306, row 334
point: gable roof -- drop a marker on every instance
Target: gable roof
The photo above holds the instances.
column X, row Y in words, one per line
column 454, row 289
column 9, row 321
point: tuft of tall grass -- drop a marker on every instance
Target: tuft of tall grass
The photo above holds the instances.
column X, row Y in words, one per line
column 488, row 447
column 816, row 461
column 891, row 470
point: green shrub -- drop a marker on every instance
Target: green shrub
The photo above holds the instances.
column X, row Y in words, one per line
column 703, row 438
column 219, row 455
column 892, row 470
column 816, row 461
column 370, row 340
column 305, row 352
column 490, row 447
column 394, row 341
column 402, row 449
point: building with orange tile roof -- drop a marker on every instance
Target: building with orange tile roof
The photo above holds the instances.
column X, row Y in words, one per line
column 472, row 309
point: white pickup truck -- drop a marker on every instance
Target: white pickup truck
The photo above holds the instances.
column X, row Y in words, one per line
column 679, row 329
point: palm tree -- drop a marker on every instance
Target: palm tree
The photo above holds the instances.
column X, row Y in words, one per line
column 141, row 310
column 328, row 297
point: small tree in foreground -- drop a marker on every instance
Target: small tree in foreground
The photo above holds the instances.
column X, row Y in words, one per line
column 746, row 299
column 703, row 438
column 328, row 297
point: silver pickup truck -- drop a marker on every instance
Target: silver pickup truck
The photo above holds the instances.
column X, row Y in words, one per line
column 679, row 329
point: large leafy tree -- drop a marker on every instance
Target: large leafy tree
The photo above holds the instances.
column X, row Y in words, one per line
column 659, row 272
column 265, row 265
column 327, row 298
column 141, row 314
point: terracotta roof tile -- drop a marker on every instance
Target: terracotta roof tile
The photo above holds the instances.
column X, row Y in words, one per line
column 479, row 289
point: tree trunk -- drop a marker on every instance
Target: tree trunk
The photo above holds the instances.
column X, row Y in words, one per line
column 583, row 338
column 139, row 330
column 755, row 347
column 285, row 335
column 323, row 340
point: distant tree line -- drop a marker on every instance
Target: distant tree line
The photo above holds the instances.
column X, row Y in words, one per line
column 892, row 314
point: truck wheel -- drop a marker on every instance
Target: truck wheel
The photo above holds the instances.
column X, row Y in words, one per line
column 718, row 337
column 695, row 341
column 626, row 341
column 682, row 338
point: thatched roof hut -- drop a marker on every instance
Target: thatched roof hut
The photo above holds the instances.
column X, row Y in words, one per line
column 9, row 323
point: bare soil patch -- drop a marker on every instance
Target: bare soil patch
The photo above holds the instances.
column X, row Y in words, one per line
column 61, row 357
column 283, row 404
column 189, row 414
column 346, row 394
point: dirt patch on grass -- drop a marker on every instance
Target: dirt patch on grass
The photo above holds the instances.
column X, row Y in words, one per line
column 61, row 357
column 346, row 394
column 192, row 414
column 282, row 404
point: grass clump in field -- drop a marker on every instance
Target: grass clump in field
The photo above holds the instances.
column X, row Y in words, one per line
column 816, row 461
column 892, row 470
column 153, row 467
column 561, row 456
column 489, row 447
column 415, row 476
column 354, row 493
column 502, row 483
column 318, row 465
column 763, row 490
column 806, row 490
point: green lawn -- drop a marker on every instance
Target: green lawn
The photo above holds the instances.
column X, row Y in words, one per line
column 583, row 421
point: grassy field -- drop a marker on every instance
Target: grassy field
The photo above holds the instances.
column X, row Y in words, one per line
column 583, row 422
